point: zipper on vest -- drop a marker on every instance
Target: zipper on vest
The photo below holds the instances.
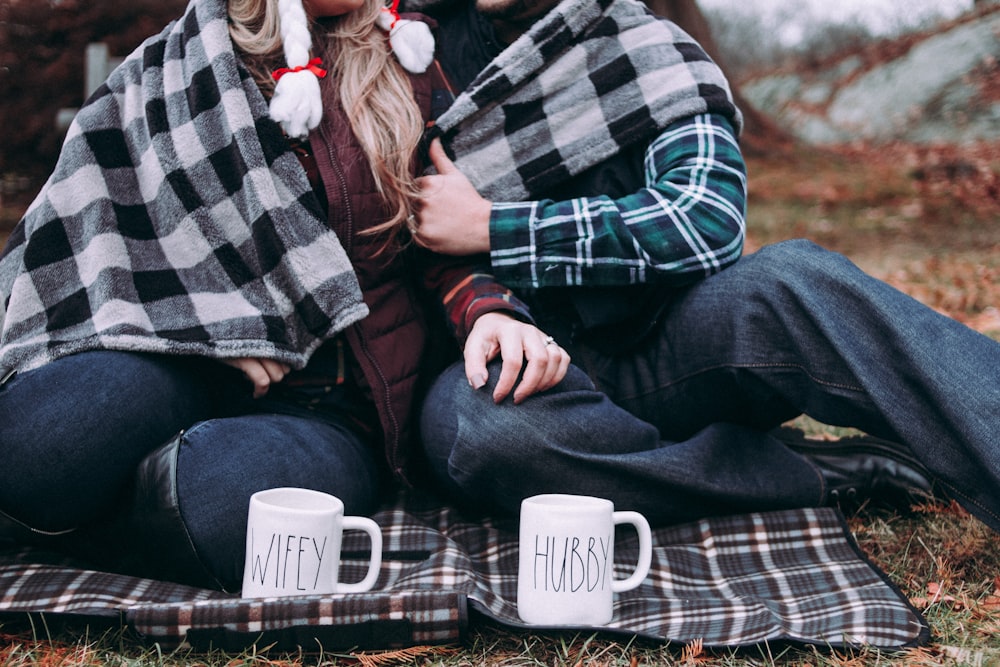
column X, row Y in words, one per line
column 346, row 239
column 392, row 438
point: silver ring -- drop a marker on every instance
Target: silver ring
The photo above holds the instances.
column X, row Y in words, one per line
column 549, row 340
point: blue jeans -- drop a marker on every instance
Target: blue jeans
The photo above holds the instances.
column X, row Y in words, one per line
column 676, row 428
column 72, row 433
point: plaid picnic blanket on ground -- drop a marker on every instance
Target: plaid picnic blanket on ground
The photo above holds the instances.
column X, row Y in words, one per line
column 794, row 576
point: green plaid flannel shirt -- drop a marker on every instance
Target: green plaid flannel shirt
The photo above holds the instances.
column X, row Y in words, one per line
column 688, row 220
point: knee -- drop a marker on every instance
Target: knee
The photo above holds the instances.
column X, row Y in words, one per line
column 454, row 415
column 786, row 277
column 792, row 250
column 472, row 442
column 795, row 261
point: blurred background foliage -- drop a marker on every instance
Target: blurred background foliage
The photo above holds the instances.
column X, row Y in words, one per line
column 42, row 44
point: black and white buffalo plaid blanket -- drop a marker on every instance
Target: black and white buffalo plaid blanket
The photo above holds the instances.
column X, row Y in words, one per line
column 791, row 576
column 176, row 220
column 589, row 79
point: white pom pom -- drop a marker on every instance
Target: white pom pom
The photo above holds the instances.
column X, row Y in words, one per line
column 297, row 103
column 413, row 44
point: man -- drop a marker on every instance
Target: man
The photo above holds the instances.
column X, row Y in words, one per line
column 596, row 169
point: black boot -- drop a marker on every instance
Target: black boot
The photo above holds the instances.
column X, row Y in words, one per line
column 156, row 514
column 148, row 537
column 863, row 470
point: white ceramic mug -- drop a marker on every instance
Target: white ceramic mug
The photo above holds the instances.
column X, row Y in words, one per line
column 566, row 559
column 293, row 544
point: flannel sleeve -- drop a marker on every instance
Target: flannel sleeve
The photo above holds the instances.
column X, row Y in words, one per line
column 466, row 291
column 689, row 220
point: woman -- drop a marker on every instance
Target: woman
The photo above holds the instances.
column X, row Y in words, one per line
column 212, row 294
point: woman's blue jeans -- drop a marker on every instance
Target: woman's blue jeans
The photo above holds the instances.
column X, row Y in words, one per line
column 677, row 428
column 72, row 433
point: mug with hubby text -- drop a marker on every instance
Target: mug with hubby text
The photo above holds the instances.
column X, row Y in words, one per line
column 566, row 559
column 293, row 544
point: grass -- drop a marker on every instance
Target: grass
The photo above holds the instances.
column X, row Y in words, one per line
column 926, row 220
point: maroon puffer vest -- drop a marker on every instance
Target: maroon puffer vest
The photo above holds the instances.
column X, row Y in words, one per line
column 388, row 345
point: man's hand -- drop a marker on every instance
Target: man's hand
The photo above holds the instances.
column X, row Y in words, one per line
column 452, row 218
column 262, row 373
column 517, row 343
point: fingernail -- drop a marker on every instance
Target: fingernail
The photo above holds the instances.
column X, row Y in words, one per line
column 478, row 381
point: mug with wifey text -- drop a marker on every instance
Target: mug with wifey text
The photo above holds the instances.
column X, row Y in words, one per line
column 566, row 559
column 293, row 544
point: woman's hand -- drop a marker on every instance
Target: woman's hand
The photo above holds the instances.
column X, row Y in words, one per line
column 452, row 218
column 262, row 373
column 517, row 343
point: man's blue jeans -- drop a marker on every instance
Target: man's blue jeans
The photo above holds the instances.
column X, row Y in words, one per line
column 677, row 428
column 72, row 433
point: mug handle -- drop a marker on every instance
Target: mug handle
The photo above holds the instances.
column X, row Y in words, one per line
column 645, row 550
column 374, row 563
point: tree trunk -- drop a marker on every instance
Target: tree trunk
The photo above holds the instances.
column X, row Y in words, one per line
column 760, row 134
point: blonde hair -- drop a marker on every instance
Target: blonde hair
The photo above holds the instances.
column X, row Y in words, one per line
column 374, row 91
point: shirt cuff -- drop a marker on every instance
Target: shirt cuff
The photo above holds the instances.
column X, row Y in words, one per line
column 512, row 242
